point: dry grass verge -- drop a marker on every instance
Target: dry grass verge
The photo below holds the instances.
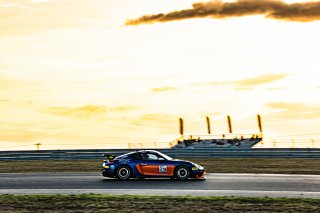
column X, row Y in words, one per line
column 126, row 203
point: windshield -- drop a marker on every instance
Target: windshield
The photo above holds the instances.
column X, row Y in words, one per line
column 123, row 156
column 164, row 156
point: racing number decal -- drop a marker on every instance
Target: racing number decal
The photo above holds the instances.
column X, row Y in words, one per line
column 162, row 169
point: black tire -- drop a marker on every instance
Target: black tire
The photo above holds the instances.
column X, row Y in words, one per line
column 123, row 172
column 182, row 173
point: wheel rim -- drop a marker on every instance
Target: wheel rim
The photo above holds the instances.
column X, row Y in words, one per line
column 123, row 173
column 182, row 173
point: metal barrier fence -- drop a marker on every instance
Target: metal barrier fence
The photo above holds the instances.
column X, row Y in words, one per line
column 176, row 153
column 269, row 143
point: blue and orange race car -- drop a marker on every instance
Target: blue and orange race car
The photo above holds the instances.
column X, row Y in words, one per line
column 148, row 164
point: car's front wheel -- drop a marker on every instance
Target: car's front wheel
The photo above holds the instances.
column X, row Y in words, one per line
column 182, row 173
column 123, row 173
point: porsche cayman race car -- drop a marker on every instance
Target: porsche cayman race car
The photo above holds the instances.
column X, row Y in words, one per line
column 148, row 164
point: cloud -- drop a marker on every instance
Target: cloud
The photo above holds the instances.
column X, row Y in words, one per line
column 20, row 132
column 263, row 79
column 80, row 112
column 20, row 3
column 87, row 111
column 11, row 82
column 163, row 89
column 158, row 120
column 12, row 5
column 39, row 1
column 28, row 16
column 275, row 9
column 14, row 135
column 248, row 83
column 123, row 108
column 293, row 111
column 21, row 89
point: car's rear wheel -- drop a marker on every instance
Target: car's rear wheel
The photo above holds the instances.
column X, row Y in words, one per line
column 182, row 173
column 123, row 173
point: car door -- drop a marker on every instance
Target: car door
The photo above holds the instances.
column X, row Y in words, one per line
column 154, row 165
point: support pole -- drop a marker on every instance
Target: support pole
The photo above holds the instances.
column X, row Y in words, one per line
column 259, row 123
column 208, row 125
column 181, row 127
column 229, row 124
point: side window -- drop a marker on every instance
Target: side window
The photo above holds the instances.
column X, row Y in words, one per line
column 137, row 156
column 152, row 157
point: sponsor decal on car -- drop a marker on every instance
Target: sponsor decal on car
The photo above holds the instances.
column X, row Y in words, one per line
column 162, row 169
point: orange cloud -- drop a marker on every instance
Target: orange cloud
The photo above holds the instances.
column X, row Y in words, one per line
column 87, row 111
column 8, row 82
column 158, row 120
column 264, row 79
column 163, row 89
column 83, row 112
column 23, row 17
column 247, row 83
column 4, row 100
column 18, row 133
column 294, row 111
column 18, row 86
column 123, row 108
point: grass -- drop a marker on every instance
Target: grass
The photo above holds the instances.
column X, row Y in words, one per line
column 216, row 165
column 141, row 203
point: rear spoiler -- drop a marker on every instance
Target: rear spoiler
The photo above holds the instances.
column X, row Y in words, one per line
column 110, row 157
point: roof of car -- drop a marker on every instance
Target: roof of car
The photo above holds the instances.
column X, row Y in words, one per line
column 141, row 151
column 144, row 151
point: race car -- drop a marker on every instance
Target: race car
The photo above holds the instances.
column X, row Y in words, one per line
column 150, row 164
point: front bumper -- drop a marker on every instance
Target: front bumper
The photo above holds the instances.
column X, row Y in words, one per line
column 107, row 173
column 199, row 174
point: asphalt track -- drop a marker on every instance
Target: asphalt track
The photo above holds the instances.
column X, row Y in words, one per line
column 248, row 185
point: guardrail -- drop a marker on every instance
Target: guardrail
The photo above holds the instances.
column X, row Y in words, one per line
column 176, row 153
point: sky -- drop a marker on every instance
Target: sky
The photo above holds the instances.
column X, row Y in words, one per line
column 96, row 74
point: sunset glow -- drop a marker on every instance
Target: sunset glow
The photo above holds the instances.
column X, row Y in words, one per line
column 73, row 75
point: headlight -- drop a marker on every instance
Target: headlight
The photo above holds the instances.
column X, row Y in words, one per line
column 105, row 165
column 196, row 167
